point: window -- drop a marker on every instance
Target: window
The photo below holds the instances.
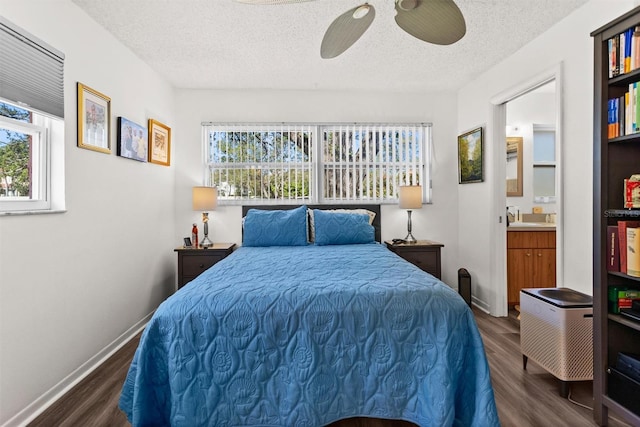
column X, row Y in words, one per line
column 544, row 164
column 31, row 125
column 24, row 160
column 312, row 163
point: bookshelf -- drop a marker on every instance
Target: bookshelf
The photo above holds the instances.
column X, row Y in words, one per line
column 616, row 156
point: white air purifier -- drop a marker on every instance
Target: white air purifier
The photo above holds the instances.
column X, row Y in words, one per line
column 556, row 332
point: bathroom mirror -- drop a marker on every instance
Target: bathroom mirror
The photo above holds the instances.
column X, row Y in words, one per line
column 514, row 167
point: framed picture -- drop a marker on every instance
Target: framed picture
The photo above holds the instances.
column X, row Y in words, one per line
column 470, row 155
column 159, row 143
column 514, row 166
column 94, row 120
column 132, row 140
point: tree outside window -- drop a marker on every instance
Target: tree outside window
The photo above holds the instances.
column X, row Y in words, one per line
column 15, row 155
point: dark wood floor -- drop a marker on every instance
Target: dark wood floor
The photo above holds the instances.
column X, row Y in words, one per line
column 524, row 398
column 530, row 398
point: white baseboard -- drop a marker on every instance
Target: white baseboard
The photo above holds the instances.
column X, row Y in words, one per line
column 481, row 305
column 31, row 411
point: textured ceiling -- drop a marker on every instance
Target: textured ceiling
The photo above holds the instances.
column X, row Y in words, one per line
column 222, row 44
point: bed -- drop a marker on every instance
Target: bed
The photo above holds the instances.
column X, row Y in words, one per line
column 300, row 334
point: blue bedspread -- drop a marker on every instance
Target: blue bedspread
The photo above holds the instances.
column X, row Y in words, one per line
column 304, row 336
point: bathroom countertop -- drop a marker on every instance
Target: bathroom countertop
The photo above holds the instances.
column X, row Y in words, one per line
column 531, row 226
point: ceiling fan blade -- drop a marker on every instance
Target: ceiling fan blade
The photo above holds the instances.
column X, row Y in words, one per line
column 270, row 1
column 433, row 21
column 346, row 29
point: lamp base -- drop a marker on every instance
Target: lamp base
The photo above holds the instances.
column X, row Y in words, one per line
column 410, row 239
column 206, row 242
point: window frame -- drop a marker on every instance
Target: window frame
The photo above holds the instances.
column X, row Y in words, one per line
column 33, row 80
column 318, row 165
column 540, row 165
column 40, row 130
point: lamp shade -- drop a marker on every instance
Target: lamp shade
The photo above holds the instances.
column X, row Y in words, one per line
column 410, row 197
column 205, row 198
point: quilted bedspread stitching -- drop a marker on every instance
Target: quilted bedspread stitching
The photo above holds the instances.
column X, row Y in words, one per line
column 286, row 336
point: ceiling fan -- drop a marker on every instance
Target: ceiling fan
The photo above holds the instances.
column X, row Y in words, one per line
column 433, row 21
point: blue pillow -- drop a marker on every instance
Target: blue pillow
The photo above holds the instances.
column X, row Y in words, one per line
column 342, row 228
column 275, row 227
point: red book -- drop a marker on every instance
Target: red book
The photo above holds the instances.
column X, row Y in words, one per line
column 613, row 249
column 622, row 242
column 631, row 194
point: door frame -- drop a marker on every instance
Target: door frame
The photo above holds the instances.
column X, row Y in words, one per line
column 499, row 229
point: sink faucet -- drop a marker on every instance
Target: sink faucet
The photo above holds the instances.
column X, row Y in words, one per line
column 511, row 217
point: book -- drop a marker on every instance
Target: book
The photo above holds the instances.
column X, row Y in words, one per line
column 627, row 109
column 613, row 250
column 621, row 52
column 632, row 192
column 610, row 106
column 636, row 109
column 620, row 298
column 633, row 251
column 622, row 241
column 621, row 115
column 636, row 48
column 611, row 57
column 616, row 50
column 630, row 114
column 627, row 50
column 633, row 96
column 616, row 118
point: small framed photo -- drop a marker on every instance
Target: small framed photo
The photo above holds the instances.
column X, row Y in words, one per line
column 470, row 157
column 94, row 120
column 159, row 143
column 187, row 242
column 132, row 140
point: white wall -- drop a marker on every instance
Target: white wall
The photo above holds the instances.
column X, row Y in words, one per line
column 72, row 283
column 569, row 43
column 433, row 222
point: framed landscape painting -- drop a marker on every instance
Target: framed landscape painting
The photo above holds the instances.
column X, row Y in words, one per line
column 470, row 156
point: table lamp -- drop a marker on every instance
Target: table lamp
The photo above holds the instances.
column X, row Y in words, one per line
column 205, row 199
column 410, row 197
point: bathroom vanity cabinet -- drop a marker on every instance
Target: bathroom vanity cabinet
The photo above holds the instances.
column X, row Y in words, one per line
column 531, row 260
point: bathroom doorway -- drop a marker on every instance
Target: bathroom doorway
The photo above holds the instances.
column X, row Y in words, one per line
column 531, row 171
column 531, row 111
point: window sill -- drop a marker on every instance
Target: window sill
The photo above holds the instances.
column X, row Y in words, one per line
column 43, row 212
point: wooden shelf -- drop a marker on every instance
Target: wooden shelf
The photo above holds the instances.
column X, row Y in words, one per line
column 624, row 276
column 624, row 321
column 632, row 137
column 624, row 79
column 620, row 410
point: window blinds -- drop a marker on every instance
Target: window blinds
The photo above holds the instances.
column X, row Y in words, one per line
column 317, row 163
column 368, row 162
column 31, row 71
column 261, row 162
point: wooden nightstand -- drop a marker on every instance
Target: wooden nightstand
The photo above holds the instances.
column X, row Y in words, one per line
column 192, row 262
column 424, row 254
